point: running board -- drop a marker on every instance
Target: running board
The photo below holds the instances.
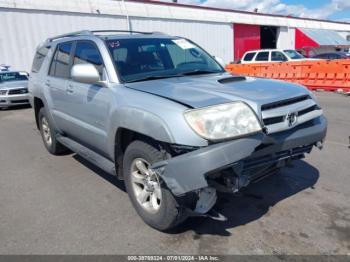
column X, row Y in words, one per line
column 96, row 159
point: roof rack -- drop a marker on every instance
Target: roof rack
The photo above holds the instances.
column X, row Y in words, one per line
column 121, row 31
column 88, row 32
column 82, row 32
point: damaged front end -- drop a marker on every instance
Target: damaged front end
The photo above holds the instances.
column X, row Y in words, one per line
column 231, row 165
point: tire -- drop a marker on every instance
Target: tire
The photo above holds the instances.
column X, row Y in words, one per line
column 166, row 212
column 48, row 134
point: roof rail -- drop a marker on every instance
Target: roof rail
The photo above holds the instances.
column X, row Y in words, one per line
column 121, row 31
column 88, row 32
column 82, row 32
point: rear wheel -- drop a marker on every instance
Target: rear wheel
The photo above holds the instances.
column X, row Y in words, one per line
column 149, row 195
column 48, row 134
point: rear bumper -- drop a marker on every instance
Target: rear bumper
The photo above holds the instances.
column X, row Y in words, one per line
column 188, row 172
column 13, row 100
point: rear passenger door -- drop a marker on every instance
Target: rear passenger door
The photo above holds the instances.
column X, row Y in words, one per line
column 90, row 102
column 262, row 57
column 56, row 84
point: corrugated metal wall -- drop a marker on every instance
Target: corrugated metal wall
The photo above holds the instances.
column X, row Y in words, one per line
column 216, row 38
column 286, row 38
column 23, row 30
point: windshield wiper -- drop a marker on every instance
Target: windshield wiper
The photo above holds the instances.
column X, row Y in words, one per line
column 153, row 78
column 199, row 72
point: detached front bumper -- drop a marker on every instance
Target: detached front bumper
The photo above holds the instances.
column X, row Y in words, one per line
column 189, row 172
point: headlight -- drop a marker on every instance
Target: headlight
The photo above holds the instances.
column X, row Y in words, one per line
column 223, row 121
column 3, row 92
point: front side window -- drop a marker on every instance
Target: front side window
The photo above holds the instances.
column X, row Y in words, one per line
column 293, row 54
column 278, row 57
column 262, row 56
column 249, row 57
column 334, row 56
column 60, row 65
column 322, row 56
column 87, row 53
column 13, row 76
column 142, row 59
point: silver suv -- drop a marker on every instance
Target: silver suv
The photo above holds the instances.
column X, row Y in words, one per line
column 13, row 88
column 162, row 114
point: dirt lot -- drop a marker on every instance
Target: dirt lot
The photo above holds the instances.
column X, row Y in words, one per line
column 63, row 205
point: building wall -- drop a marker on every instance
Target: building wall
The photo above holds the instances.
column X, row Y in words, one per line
column 346, row 35
column 25, row 23
column 286, row 38
column 246, row 38
column 23, row 30
column 216, row 38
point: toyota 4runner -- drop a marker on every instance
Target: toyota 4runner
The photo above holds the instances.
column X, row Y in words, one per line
column 162, row 114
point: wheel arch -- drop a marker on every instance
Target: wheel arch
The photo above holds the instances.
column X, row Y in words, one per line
column 37, row 105
column 124, row 137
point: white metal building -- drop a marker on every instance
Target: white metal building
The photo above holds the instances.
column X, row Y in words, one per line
column 26, row 23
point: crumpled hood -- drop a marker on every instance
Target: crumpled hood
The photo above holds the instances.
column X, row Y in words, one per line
column 202, row 91
column 13, row 84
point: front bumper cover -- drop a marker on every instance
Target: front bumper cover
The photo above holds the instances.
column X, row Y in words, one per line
column 187, row 172
column 13, row 100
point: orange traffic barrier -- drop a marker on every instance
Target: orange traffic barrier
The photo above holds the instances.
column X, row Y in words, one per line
column 330, row 75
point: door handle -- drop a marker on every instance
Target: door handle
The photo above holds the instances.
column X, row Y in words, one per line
column 47, row 82
column 70, row 89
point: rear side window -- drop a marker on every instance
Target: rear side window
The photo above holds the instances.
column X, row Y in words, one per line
column 61, row 61
column 323, row 56
column 262, row 56
column 278, row 56
column 249, row 57
column 334, row 56
column 39, row 58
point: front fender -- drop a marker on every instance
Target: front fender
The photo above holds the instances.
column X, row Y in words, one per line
column 140, row 121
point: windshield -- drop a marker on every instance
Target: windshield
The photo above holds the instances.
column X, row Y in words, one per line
column 293, row 54
column 13, row 76
column 153, row 58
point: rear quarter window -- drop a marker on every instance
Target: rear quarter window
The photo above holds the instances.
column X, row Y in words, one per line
column 39, row 58
column 249, row 56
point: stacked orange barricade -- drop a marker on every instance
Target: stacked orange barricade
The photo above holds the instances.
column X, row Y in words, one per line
column 330, row 75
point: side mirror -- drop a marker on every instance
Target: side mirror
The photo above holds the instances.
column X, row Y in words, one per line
column 85, row 73
column 219, row 60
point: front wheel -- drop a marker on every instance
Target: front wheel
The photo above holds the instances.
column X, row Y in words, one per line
column 149, row 195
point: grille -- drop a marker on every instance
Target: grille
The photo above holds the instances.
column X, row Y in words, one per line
column 308, row 110
column 273, row 158
column 18, row 91
column 286, row 114
column 285, row 102
column 20, row 101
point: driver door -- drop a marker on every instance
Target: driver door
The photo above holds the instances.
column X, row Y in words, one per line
column 91, row 102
